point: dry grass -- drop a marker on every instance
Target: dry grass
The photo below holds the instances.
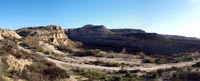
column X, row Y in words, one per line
column 16, row 65
column 32, row 43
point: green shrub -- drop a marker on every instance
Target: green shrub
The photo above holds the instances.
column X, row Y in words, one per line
column 187, row 59
column 148, row 60
column 97, row 76
column 160, row 61
column 107, row 64
column 91, row 75
column 99, row 55
column 86, row 53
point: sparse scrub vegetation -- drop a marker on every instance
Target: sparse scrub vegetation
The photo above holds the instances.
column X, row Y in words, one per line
column 107, row 64
column 16, row 65
column 32, row 43
column 91, row 75
column 173, row 74
column 74, row 44
column 41, row 70
column 64, row 48
column 98, row 76
column 1, row 71
column 23, row 66
column 148, row 60
column 162, row 60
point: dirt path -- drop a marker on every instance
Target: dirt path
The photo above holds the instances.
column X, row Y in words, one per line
column 113, row 60
column 85, row 66
column 145, row 67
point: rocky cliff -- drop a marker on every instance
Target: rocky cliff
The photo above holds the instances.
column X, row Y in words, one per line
column 8, row 34
column 51, row 33
column 133, row 40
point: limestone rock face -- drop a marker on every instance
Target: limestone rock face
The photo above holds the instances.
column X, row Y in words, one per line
column 50, row 33
column 8, row 34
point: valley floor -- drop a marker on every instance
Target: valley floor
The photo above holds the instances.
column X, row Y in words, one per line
column 79, row 62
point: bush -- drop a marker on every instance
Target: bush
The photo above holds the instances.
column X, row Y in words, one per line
column 16, row 66
column 44, row 71
column 1, row 71
column 186, row 76
column 148, row 60
column 74, row 44
column 86, row 53
column 91, row 75
column 32, row 43
column 55, row 72
column 125, row 77
column 152, row 75
column 187, row 59
column 154, row 60
column 100, row 55
column 160, row 71
column 7, row 47
column 64, row 49
column 160, row 61
column 97, row 76
column 108, row 64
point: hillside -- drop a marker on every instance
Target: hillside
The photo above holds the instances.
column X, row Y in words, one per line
column 133, row 40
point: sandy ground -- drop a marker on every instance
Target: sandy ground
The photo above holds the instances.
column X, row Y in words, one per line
column 114, row 60
column 143, row 67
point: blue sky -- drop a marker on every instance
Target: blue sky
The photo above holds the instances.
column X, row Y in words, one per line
column 180, row 17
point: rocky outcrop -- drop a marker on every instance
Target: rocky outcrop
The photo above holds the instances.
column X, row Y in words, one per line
column 8, row 34
column 133, row 40
column 51, row 33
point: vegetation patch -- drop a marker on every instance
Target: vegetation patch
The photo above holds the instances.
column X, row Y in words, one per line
column 86, row 53
column 24, row 66
column 98, row 76
column 107, row 64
